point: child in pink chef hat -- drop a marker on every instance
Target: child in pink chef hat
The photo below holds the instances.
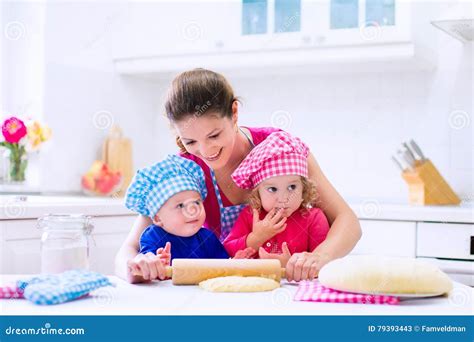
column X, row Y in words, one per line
column 281, row 218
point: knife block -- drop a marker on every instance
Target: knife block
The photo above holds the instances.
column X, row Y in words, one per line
column 427, row 187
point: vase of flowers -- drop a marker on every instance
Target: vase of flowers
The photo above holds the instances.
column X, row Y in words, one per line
column 20, row 139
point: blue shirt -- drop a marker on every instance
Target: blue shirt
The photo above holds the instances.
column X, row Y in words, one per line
column 202, row 245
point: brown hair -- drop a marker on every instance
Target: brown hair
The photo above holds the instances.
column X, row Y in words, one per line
column 196, row 92
column 310, row 196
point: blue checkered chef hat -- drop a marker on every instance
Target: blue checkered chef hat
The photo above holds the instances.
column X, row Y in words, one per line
column 154, row 185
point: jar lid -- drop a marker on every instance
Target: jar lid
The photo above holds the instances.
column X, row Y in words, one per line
column 66, row 222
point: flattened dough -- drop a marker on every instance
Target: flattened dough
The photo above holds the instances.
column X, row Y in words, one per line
column 377, row 274
column 239, row 284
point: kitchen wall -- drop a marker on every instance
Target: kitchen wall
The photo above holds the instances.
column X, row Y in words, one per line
column 82, row 96
column 357, row 120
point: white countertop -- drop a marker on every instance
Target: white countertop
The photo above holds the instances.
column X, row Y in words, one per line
column 373, row 209
column 33, row 206
column 163, row 298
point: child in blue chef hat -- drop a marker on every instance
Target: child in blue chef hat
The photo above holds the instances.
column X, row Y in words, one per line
column 171, row 192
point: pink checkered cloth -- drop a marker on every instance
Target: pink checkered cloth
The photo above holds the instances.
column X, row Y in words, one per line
column 280, row 154
column 313, row 291
column 10, row 292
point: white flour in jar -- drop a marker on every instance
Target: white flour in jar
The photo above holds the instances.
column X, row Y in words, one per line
column 63, row 259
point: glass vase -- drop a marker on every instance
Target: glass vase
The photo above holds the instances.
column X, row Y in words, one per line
column 15, row 165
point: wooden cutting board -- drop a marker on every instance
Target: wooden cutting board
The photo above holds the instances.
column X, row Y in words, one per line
column 117, row 153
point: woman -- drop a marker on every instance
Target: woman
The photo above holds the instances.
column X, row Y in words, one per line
column 203, row 111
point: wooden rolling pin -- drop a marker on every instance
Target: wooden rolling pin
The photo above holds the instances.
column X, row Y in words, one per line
column 193, row 271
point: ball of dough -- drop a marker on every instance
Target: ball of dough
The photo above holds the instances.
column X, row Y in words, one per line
column 377, row 274
column 239, row 284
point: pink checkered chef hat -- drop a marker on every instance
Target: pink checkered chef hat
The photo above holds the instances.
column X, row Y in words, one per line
column 280, row 154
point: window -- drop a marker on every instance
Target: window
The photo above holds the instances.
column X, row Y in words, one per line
column 347, row 14
column 277, row 16
column 344, row 14
column 254, row 17
column 381, row 12
column 287, row 16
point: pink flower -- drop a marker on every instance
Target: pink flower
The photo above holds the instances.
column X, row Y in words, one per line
column 13, row 130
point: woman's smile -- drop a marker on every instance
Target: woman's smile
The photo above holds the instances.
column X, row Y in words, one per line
column 213, row 157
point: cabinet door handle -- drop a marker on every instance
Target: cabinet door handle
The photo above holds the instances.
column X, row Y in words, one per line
column 472, row 245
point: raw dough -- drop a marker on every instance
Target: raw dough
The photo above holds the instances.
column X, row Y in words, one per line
column 377, row 274
column 239, row 284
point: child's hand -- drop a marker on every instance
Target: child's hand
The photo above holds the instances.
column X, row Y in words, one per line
column 147, row 266
column 165, row 254
column 271, row 225
column 283, row 257
column 150, row 266
column 246, row 253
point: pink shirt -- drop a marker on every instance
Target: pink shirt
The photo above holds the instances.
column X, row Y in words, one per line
column 305, row 230
column 211, row 205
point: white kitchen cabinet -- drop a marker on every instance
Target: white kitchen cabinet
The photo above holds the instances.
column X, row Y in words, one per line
column 450, row 246
column 168, row 37
column 369, row 25
column 20, row 244
column 324, row 23
column 169, row 28
column 390, row 238
column 446, row 240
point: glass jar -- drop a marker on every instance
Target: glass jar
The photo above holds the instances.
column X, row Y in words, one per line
column 14, row 166
column 64, row 242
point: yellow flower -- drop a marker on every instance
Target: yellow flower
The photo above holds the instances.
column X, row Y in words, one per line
column 37, row 134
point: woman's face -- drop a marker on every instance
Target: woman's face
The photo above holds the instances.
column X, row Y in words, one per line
column 209, row 137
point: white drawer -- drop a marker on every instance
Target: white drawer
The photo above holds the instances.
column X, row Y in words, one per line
column 390, row 238
column 445, row 240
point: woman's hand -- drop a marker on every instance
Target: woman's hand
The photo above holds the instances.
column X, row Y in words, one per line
column 149, row 265
column 283, row 257
column 271, row 225
column 305, row 266
column 246, row 253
